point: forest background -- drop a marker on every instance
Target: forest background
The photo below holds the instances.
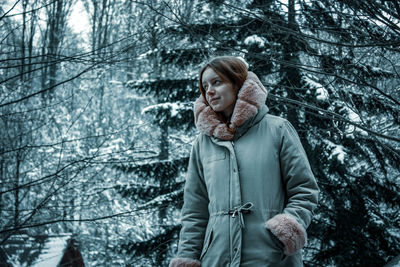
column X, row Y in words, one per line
column 96, row 118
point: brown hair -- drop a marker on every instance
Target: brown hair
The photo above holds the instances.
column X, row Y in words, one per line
column 229, row 68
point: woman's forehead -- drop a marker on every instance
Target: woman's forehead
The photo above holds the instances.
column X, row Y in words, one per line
column 209, row 74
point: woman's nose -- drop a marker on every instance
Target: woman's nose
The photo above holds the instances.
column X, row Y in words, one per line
column 210, row 91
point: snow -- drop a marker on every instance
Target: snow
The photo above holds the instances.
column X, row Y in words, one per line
column 136, row 97
column 137, row 82
column 255, row 39
column 322, row 93
column 336, row 150
column 79, row 19
column 52, row 252
column 175, row 108
column 146, row 54
column 206, row 8
column 79, row 23
column 320, row 90
column 285, row 4
column 354, row 117
column 115, row 82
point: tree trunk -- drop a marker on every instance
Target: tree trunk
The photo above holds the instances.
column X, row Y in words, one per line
column 22, row 69
column 51, row 44
column 16, row 193
column 290, row 74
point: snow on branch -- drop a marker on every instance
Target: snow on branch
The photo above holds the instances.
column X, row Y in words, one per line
column 336, row 151
column 320, row 91
column 174, row 108
column 255, row 40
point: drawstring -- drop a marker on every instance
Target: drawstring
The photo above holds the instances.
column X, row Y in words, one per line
column 238, row 211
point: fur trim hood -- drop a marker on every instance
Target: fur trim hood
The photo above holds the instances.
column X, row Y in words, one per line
column 251, row 97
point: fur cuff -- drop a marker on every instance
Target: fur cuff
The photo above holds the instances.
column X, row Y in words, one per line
column 184, row 262
column 291, row 233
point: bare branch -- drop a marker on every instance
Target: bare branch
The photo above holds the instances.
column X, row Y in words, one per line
column 8, row 11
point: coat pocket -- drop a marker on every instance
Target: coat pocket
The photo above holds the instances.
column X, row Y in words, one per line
column 219, row 155
column 276, row 240
column 207, row 243
column 277, row 244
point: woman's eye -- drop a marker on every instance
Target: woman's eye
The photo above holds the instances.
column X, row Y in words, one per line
column 217, row 82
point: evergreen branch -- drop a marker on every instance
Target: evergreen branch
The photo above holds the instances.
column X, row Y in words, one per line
column 333, row 116
column 365, row 83
column 297, row 33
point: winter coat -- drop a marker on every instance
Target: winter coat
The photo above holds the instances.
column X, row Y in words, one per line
column 250, row 192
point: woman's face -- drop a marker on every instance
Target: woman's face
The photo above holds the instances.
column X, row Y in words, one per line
column 220, row 94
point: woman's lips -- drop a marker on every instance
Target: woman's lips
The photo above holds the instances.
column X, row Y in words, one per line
column 214, row 99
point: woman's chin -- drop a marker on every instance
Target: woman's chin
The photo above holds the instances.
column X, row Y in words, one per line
column 215, row 108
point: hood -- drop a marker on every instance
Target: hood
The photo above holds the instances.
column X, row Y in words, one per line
column 251, row 98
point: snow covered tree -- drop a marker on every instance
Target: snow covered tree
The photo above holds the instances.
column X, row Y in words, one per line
column 351, row 70
column 157, row 183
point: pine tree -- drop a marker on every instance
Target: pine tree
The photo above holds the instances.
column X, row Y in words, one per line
column 356, row 223
column 157, row 184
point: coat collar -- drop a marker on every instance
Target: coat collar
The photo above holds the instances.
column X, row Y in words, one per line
column 251, row 99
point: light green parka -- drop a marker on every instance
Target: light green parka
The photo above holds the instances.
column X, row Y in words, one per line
column 249, row 194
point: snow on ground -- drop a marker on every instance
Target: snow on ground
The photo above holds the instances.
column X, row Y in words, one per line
column 52, row 252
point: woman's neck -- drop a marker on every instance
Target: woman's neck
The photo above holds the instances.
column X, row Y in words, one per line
column 227, row 113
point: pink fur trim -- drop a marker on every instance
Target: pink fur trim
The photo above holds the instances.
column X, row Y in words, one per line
column 291, row 233
column 251, row 97
column 184, row 262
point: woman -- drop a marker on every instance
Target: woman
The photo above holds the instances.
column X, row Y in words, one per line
column 250, row 192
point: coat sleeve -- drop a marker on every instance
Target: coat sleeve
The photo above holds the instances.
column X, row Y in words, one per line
column 301, row 193
column 194, row 216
